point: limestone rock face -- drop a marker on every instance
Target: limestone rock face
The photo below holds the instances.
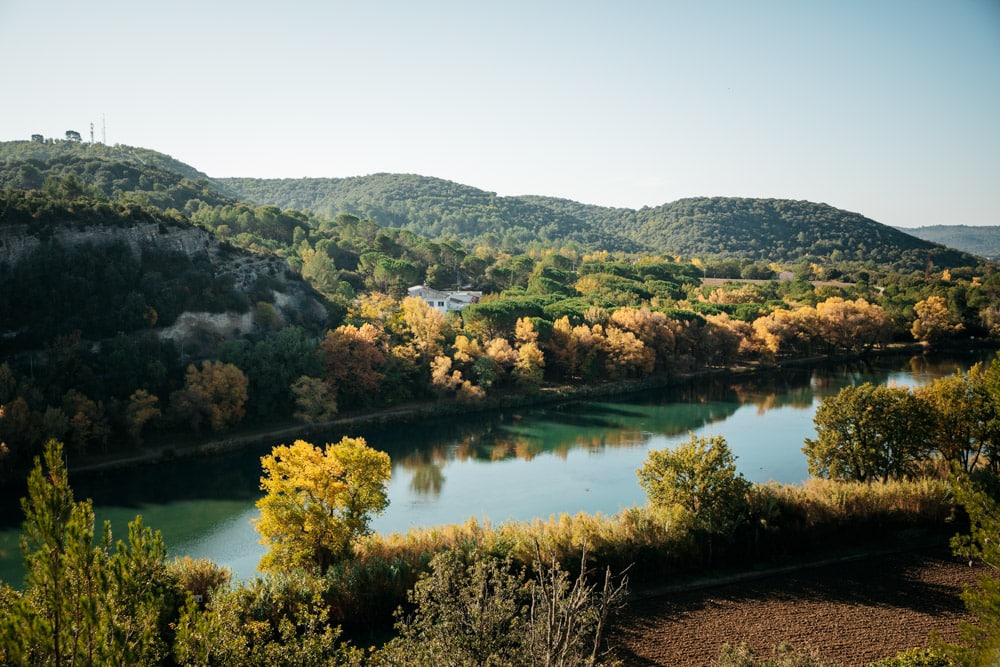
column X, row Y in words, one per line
column 292, row 299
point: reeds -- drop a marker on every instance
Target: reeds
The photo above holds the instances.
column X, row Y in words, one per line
column 779, row 521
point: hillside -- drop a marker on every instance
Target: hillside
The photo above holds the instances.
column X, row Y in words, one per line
column 143, row 158
column 103, row 269
column 981, row 241
column 761, row 230
column 435, row 208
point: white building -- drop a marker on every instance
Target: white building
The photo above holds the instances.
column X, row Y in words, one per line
column 445, row 301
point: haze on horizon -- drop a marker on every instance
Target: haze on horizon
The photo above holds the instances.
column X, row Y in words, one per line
column 886, row 108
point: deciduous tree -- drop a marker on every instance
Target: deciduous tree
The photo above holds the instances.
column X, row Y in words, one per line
column 215, row 393
column 698, row 478
column 868, row 433
column 317, row 502
column 934, row 321
column 355, row 361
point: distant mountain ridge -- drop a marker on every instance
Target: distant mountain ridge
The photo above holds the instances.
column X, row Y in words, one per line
column 983, row 241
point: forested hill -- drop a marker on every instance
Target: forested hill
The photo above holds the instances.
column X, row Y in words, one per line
column 779, row 230
column 759, row 229
column 435, row 208
column 45, row 151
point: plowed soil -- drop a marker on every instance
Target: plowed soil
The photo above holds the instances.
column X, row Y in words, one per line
column 852, row 612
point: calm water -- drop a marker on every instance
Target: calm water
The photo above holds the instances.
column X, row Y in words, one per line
column 512, row 465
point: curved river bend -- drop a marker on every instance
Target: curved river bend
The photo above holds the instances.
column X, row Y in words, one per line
column 516, row 464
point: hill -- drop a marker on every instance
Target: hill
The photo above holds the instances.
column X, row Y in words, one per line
column 981, row 241
column 759, row 230
column 777, row 230
column 435, row 208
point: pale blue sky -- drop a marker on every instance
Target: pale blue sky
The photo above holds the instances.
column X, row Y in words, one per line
column 890, row 108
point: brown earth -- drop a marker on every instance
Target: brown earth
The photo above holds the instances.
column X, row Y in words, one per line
column 851, row 613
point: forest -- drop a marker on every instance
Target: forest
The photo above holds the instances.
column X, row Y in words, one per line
column 104, row 251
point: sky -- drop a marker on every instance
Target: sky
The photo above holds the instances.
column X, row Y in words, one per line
column 889, row 108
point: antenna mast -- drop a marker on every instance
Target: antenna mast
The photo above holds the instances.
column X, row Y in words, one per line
column 92, row 133
column 104, row 131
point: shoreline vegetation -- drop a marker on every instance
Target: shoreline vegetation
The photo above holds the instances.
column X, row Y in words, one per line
column 162, row 449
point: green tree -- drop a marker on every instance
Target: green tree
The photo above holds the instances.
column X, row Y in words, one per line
column 55, row 621
column 317, row 502
column 966, row 416
column 979, row 496
column 697, row 478
column 868, row 433
column 83, row 603
column 275, row 621
column 480, row 609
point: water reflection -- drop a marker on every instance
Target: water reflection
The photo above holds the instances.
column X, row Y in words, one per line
column 427, row 480
column 524, row 434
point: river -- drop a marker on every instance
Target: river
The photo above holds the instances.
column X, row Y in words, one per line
column 515, row 464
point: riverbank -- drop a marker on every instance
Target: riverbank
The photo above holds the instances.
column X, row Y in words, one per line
column 167, row 449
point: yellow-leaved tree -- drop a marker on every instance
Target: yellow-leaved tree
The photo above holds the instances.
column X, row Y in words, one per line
column 317, row 502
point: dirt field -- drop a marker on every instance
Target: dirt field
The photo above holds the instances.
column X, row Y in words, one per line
column 852, row 613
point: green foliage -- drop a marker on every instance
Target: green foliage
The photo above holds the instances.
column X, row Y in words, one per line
column 281, row 621
column 477, row 609
column 84, row 603
column 783, row 655
column 432, row 207
column 965, row 409
column 271, row 365
column 697, row 478
column 917, row 657
column 981, row 241
column 869, row 433
column 980, row 497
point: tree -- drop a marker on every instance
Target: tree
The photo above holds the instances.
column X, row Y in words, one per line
column 966, row 417
column 934, row 321
column 354, row 362
column 83, row 603
column 312, row 400
column 480, row 609
column 698, row 478
column 426, row 325
column 141, row 410
column 867, row 433
column 73, row 135
column 851, row 325
column 216, row 393
column 275, row 621
column 317, row 502
column 979, row 497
